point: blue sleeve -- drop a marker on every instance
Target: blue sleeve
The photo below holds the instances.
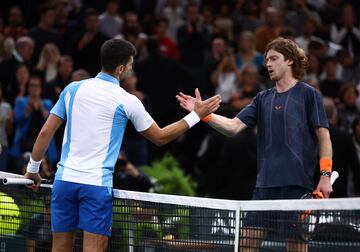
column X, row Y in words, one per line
column 248, row 115
column 317, row 112
column 59, row 109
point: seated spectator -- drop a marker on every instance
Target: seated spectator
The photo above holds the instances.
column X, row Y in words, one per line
column 347, row 107
column 168, row 47
column 30, row 114
column 15, row 27
column 6, row 118
column 128, row 177
column 110, row 23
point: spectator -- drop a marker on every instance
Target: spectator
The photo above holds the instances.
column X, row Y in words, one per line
column 14, row 27
column 132, row 32
column 38, row 230
column 192, row 38
column 89, row 43
column 224, row 24
column 135, row 146
column 80, row 74
column 44, row 33
column 347, row 108
column 354, row 189
column 64, row 69
column 17, row 89
column 249, row 87
column 345, row 159
column 218, row 51
column 331, row 84
column 110, row 23
column 347, row 31
column 268, row 31
column 350, row 66
column 174, row 13
column 247, row 53
column 313, row 71
column 23, row 52
column 30, row 114
column 246, row 17
column 6, row 118
column 308, row 30
column 168, row 47
column 48, row 62
column 129, row 177
column 226, row 78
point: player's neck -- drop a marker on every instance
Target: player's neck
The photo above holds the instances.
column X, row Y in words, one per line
column 285, row 84
column 112, row 74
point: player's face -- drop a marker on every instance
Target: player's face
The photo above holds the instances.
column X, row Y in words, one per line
column 276, row 65
column 128, row 69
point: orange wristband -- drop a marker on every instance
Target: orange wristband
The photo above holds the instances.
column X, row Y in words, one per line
column 207, row 118
column 326, row 164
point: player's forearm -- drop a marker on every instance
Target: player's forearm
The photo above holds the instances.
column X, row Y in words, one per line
column 171, row 132
column 41, row 144
column 325, row 148
column 226, row 126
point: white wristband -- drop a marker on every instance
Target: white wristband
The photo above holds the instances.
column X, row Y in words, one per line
column 33, row 166
column 192, row 118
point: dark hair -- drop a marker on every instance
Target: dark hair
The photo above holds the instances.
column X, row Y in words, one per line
column 90, row 12
column 116, row 52
column 45, row 8
column 291, row 51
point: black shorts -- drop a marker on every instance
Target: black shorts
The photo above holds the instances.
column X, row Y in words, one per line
column 281, row 223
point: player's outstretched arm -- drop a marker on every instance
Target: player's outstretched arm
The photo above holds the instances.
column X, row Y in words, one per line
column 161, row 136
column 224, row 125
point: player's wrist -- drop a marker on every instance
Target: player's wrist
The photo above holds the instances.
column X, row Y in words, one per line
column 326, row 166
column 192, row 118
column 33, row 166
column 207, row 118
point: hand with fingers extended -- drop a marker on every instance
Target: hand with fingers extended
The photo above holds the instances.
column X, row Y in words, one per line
column 36, row 178
column 202, row 108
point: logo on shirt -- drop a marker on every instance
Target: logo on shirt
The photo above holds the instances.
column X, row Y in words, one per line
column 277, row 107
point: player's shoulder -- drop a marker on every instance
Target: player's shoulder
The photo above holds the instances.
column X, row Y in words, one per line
column 265, row 93
column 306, row 87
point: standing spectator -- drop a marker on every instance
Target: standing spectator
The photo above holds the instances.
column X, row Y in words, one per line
column 23, row 52
column 44, row 33
column 218, row 51
column 89, row 43
column 350, row 66
column 135, row 146
column 192, row 39
column 14, row 27
column 347, row 31
column 6, row 118
column 168, row 47
column 247, row 53
column 308, row 30
column 48, row 61
column 331, row 84
column 224, row 24
column 110, row 23
column 174, row 13
column 268, row 31
column 30, row 114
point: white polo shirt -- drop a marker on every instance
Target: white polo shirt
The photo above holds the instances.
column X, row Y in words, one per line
column 97, row 111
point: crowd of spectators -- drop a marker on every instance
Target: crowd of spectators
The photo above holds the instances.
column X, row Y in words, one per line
column 214, row 45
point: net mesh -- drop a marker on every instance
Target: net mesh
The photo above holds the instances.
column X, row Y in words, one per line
column 153, row 222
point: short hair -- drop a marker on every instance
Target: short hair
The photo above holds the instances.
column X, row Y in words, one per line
column 45, row 8
column 116, row 52
column 91, row 12
column 22, row 41
column 291, row 51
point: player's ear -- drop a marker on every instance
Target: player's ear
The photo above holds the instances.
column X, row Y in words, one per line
column 290, row 62
column 120, row 69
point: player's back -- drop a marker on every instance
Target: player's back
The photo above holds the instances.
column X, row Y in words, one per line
column 96, row 119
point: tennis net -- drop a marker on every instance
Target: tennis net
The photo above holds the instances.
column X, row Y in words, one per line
column 155, row 222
